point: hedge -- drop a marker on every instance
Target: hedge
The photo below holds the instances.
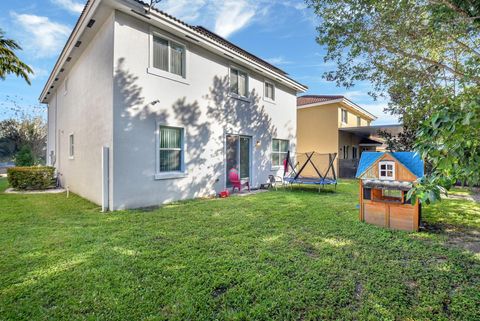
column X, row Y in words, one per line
column 35, row 177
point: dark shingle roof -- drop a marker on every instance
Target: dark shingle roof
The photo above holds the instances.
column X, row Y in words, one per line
column 312, row 99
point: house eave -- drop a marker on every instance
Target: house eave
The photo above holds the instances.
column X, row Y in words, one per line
column 344, row 101
column 127, row 6
column 77, row 31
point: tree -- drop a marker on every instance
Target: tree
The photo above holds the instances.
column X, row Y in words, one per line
column 9, row 62
column 420, row 54
column 15, row 134
column 24, row 157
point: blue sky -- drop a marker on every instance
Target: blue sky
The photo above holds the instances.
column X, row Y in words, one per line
column 281, row 32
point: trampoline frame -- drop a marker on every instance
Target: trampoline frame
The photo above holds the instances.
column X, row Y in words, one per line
column 321, row 180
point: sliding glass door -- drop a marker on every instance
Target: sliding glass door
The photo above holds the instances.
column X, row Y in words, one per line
column 238, row 155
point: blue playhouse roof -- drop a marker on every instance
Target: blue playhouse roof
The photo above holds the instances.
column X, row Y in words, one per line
column 410, row 160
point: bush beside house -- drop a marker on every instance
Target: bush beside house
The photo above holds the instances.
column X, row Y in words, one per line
column 35, row 177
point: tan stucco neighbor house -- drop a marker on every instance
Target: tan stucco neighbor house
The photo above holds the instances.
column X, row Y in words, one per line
column 335, row 124
column 145, row 109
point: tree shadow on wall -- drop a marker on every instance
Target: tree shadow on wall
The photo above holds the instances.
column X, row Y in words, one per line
column 206, row 121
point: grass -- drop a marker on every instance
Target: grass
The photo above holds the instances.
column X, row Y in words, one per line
column 285, row 255
column 456, row 213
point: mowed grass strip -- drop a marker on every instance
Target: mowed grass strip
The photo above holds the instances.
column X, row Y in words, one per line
column 284, row 255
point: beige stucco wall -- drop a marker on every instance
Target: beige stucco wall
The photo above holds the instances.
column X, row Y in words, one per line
column 317, row 129
column 85, row 110
column 351, row 118
column 349, row 140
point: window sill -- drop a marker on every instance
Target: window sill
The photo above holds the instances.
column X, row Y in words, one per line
column 170, row 175
column 242, row 98
column 268, row 100
column 167, row 75
column 275, row 168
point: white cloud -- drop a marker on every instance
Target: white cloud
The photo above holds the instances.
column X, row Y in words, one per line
column 232, row 16
column 186, row 10
column 225, row 17
column 44, row 37
column 356, row 94
column 39, row 73
column 278, row 60
column 377, row 109
column 69, row 5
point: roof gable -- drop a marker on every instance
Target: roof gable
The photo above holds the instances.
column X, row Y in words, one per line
column 366, row 161
column 410, row 160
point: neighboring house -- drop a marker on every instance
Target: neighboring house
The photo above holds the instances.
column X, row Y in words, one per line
column 335, row 124
column 144, row 109
column 385, row 179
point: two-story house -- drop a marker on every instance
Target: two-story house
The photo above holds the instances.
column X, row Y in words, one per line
column 335, row 124
column 145, row 109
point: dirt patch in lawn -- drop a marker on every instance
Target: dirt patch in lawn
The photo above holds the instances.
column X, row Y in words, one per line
column 466, row 238
column 474, row 196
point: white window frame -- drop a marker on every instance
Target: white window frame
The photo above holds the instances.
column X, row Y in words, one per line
column 343, row 110
column 265, row 91
column 235, row 95
column 380, row 176
column 172, row 174
column 71, row 146
column 273, row 152
column 163, row 73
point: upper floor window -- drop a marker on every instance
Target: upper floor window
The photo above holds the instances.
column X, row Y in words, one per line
column 354, row 152
column 344, row 116
column 168, row 56
column 279, row 151
column 359, row 121
column 238, row 82
column 269, row 91
column 386, row 170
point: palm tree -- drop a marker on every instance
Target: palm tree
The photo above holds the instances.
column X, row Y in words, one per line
column 9, row 62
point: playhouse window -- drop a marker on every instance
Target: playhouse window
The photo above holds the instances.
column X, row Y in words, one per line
column 392, row 193
column 386, row 170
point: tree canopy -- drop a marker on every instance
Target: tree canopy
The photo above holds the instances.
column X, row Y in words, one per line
column 424, row 55
column 9, row 62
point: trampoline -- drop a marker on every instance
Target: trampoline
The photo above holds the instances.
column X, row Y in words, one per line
column 310, row 168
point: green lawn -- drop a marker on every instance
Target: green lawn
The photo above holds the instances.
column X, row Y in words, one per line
column 285, row 255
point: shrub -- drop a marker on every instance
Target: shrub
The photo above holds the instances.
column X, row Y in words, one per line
column 24, row 157
column 36, row 177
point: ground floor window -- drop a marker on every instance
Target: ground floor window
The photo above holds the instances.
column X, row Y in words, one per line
column 170, row 149
column 279, row 151
column 71, row 146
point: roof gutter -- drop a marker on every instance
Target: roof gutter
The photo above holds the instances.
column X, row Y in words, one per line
column 200, row 38
column 92, row 5
column 345, row 101
column 82, row 21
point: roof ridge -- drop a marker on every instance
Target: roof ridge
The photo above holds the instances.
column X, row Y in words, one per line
column 213, row 35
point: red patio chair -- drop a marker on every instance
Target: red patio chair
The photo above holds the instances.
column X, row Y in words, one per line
column 236, row 181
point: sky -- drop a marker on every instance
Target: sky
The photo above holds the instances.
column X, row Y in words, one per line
column 282, row 32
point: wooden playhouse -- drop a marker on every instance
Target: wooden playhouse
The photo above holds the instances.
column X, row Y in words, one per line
column 385, row 179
